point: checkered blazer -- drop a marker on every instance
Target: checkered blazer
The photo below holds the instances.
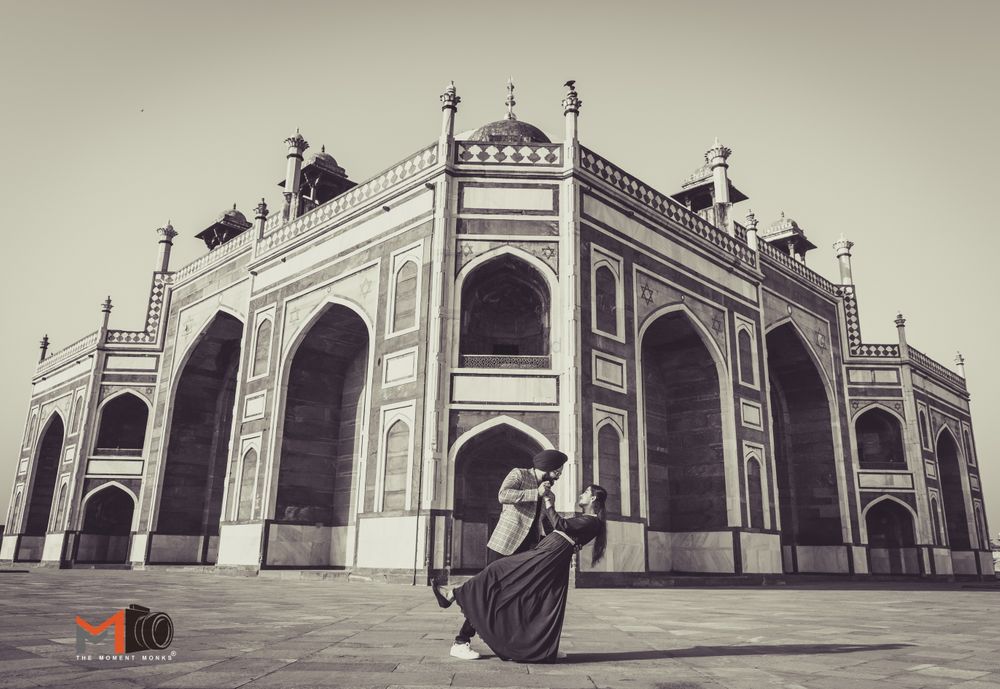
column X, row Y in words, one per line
column 519, row 496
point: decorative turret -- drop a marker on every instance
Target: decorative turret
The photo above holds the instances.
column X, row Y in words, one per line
column 904, row 351
column 44, row 347
column 165, row 243
column 571, row 112
column 297, row 145
column 449, row 106
column 228, row 225
column 322, row 179
column 960, row 363
column 751, row 230
column 843, row 247
column 260, row 218
column 709, row 187
column 786, row 233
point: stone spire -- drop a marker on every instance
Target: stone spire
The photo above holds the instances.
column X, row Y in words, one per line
column 571, row 110
column 960, row 363
column 904, row 351
column 44, row 347
column 843, row 247
column 166, row 236
column 510, row 102
column 449, row 106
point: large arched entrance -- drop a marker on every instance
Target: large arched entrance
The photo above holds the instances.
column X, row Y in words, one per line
column 107, row 525
column 187, row 526
column 956, row 516
column 322, row 431
column 505, row 316
column 683, row 419
column 891, row 539
column 39, row 504
column 805, row 459
column 481, row 465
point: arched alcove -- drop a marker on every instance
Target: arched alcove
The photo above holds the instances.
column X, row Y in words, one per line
column 107, row 524
column 46, row 471
column 505, row 316
column 481, row 465
column 122, row 428
column 609, row 455
column 880, row 440
column 891, row 538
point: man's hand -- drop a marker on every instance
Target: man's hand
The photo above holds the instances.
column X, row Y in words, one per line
column 544, row 488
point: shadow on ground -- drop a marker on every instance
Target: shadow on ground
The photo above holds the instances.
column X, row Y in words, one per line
column 710, row 651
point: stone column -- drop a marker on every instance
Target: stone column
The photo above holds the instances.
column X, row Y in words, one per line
column 752, row 230
column 571, row 112
column 716, row 158
column 44, row 347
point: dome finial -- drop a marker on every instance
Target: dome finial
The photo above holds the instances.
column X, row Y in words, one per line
column 510, row 102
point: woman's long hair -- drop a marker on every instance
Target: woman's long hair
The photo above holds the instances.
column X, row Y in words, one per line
column 601, row 541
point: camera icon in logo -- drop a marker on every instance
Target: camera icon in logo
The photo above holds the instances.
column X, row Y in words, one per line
column 146, row 630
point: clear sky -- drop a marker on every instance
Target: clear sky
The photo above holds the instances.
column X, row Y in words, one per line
column 872, row 119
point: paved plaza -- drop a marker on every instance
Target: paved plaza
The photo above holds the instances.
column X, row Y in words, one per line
column 271, row 632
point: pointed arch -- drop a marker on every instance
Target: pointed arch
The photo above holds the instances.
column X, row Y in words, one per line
column 107, row 517
column 878, row 434
column 317, row 377
column 189, row 347
column 808, row 457
column 538, row 282
column 955, row 498
column 127, row 425
column 890, row 498
column 727, row 411
column 44, row 474
column 479, row 429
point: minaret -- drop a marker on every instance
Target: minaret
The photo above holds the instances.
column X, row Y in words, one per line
column 752, row 230
column 571, row 112
column 165, row 244
column 296, row 147
column 716, row 158
column 843, row 247
column 260, row 218
column 960, row 363
column 44, row 347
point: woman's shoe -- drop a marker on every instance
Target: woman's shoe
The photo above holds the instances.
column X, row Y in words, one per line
column 443, row 600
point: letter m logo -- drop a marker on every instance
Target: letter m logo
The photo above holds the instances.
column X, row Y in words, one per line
column 86, row 631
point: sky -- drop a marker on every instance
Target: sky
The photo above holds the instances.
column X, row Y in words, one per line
column 875, row 120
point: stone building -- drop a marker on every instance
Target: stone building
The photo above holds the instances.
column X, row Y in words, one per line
column 342, row 383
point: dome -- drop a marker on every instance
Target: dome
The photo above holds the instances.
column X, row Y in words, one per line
column 510, row 131
column 232, row 216
column 784, row 224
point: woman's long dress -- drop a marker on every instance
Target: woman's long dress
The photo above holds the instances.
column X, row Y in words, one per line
column 517, row 604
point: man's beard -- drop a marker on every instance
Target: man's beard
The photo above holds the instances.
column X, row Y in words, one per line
column 549, row 477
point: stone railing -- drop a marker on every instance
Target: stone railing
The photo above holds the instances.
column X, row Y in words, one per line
column 215, row 256
column 283, row 233
column 485, row 153
column 930, row 366
column 503, row 361
column 797, row 267
column 664, row 206
column 81, row 346
column 117, row 452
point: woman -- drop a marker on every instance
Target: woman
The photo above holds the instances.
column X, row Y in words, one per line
column 517, row 604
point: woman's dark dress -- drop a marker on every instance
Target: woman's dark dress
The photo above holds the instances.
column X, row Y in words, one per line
column 517, row 604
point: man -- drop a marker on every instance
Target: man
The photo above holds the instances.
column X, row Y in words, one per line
column 519, row 528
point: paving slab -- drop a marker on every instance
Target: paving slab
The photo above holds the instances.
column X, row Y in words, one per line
column 273, row 633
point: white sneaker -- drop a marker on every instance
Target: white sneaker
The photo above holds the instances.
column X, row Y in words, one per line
column 464, row 652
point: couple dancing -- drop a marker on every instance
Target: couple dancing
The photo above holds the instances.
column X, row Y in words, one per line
column 517, row 603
